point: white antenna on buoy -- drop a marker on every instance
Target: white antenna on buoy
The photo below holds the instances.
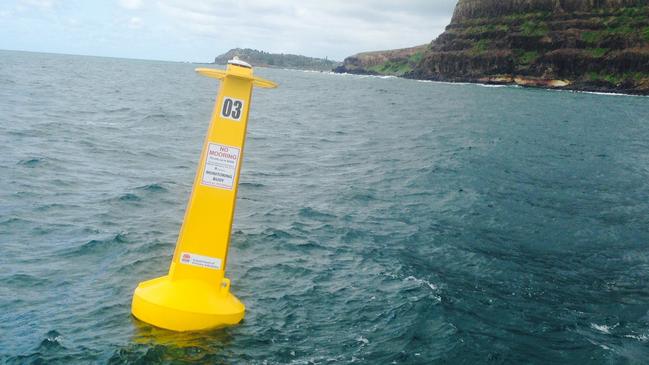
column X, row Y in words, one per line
column 236, row 61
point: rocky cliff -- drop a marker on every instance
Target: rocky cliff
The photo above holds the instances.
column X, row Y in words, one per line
column 599, row 45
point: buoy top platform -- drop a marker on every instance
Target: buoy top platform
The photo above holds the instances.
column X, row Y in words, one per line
column 242, row 70
column 195, row 294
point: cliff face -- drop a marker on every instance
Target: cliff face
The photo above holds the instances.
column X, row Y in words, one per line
column 599, row 45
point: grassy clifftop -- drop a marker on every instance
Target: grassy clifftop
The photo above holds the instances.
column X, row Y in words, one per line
column 397, row 62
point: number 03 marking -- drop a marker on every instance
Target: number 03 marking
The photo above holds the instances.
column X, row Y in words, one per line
column 232, row 108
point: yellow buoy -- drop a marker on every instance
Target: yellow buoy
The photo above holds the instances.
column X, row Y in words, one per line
column 195, row 295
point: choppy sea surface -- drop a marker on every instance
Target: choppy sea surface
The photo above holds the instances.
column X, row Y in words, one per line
column 379, row 220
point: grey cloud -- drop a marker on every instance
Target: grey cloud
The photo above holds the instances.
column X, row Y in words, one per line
column 333, row 28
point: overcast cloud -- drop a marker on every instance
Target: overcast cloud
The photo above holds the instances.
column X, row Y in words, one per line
column 198, row 30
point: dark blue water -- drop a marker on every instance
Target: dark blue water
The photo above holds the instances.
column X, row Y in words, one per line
column 379, row 220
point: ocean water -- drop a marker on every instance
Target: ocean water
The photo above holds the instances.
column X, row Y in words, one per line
column 379, row 220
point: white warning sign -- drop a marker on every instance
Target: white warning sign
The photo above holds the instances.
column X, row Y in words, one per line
column 221, row 166
column 200, row 261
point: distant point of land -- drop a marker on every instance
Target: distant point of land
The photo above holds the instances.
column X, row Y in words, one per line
column 278, row 60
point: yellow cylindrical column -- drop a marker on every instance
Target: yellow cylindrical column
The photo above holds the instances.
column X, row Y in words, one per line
column 195, row 294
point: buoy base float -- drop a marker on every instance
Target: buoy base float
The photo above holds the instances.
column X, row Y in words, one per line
column 186, row 305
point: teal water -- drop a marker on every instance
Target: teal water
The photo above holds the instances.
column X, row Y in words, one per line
column 379, row 220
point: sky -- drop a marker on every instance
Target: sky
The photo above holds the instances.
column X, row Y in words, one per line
column 199, row 30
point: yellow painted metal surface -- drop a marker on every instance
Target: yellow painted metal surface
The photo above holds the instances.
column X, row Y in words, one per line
column 195, row 294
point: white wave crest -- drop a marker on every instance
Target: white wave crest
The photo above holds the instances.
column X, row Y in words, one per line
column 421, row 282
column 603, row 328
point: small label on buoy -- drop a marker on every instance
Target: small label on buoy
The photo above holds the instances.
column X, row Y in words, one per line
column 220, row 166
column 200, row 261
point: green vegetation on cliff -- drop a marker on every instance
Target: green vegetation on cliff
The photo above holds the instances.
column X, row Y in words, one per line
column 398, row 67
column 265, row 59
